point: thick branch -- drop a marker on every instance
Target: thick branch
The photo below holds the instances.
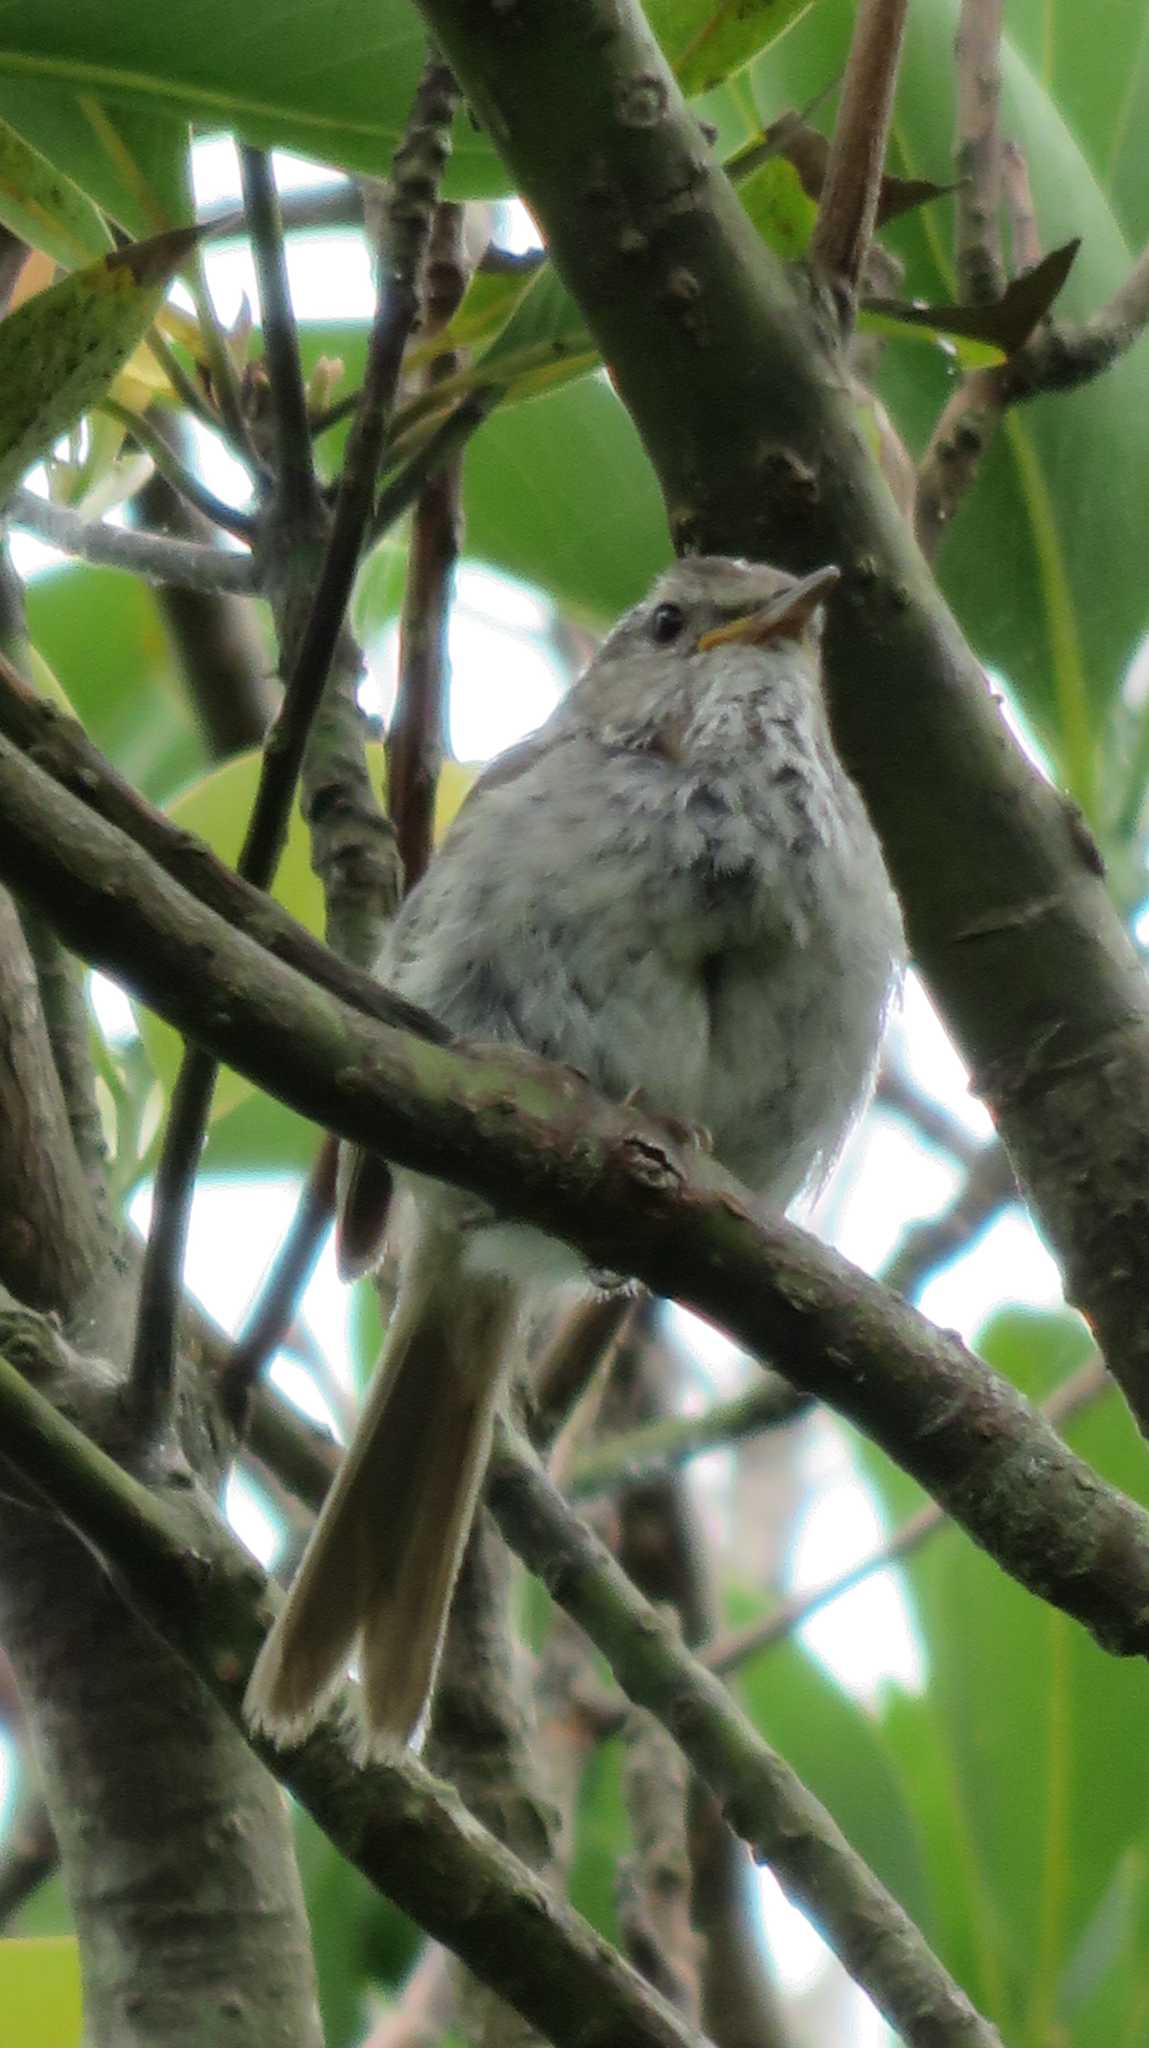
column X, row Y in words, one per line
column 201, row 1592
column 704, row 330
column 62, row 747
column 761, row 1797
column 849, row 202
column 151, row 556
column 535, row 1141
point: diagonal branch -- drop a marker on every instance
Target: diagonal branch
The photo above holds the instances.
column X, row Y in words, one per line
column 761, row 1796
column 62, row 748
column 704, row 330
column 977, row 153
column 849, row 204
column 727, row 1652
column 421, row 155
column 200, row 1591
column 537, row 1143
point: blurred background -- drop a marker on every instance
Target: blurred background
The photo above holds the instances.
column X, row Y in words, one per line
column 983, row 1756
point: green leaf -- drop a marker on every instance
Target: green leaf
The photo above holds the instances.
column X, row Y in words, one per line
column 60, row 350
column 273, row 71
column 132, row 162
column 779, row 206
column 1101, row 85
column 705, row 44
column 559, row 493
column 40, row 1992
column 43, row 207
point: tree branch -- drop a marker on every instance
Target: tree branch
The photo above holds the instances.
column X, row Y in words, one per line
column 704, row 330
column 62, row 748
column 151, row 556
column 729, row 1651
column 977, row 153
column 201, row 1592
column 849, row 203
column 279, row 1296
column 655, row 1447
column 52, row 1245
column 762, row 1798
column 417, row 735
column 296, row 483
column 538, row 1143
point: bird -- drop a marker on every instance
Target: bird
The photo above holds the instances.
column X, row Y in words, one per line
column 673, row 887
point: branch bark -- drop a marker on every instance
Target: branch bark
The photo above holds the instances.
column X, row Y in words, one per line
column 200, row 1592
column 704, row 332
column 538, row 1143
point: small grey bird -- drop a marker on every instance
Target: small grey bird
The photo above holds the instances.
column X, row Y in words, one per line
column 674, row 887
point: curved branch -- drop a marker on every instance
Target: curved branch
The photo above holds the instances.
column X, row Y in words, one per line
column 206, row 1598
column 705, row 330
column 536, row 1142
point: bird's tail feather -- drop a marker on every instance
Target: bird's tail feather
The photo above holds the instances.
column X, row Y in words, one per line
column 381, row 1564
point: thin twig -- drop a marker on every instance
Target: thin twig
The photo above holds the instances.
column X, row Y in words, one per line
column 657, row 1447
column 977, row 153
column 1060, row 358
column 729, row 1651
column 1021, row 211
column 940, row 1127
column 182, row 479
column 987, row 1187
column 295, row 479
column 151, row 556
column 418, row 160
column 231, row 420
column 849, row 203
column 420, row 155
column 403, row 486
column 62, row 748
column 278, row 1300
column 585, row 1342
column 965, row 429
column 417, row 735
column 763, row 1798
column 184, row 385
column 69, row 1029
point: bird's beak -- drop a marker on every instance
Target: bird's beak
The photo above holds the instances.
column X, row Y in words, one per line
column 783, row 618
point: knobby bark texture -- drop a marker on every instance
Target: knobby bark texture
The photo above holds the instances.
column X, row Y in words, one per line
column 729, row 365
column 159, row 1807
column 538, row 1143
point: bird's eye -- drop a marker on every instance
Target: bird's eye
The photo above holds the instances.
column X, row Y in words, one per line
column 666, row 623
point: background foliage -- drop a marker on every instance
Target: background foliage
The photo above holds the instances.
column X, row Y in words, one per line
column 1005, row 1802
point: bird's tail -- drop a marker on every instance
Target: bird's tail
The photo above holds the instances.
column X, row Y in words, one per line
column 381, row 1565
